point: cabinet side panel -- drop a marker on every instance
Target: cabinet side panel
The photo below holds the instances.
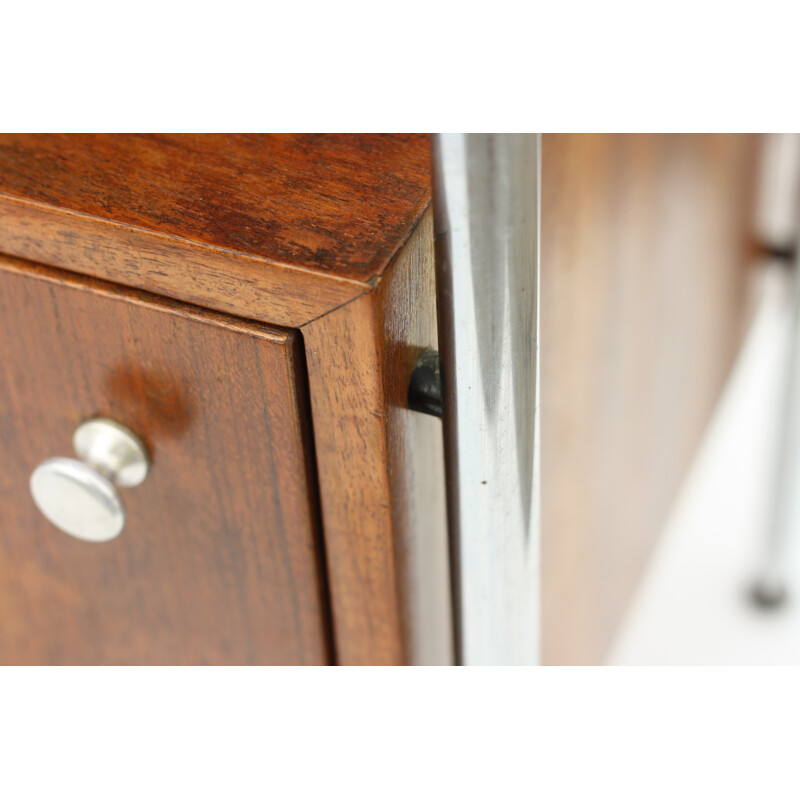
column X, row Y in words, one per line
column 416, row 453
column 382, row 470
column 645, row 241
column 348, row 407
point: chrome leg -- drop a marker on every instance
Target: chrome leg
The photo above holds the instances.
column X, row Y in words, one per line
column 486, row 205
column 778, row 216
column 771, row 588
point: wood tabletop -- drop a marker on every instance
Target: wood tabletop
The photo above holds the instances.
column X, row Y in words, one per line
column 338, row 203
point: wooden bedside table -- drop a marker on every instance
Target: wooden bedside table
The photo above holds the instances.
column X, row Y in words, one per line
column 251, row 307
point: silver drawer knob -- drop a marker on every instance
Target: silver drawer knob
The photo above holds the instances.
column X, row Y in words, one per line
column 81, row 497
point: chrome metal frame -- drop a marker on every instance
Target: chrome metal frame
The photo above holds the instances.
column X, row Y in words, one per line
column 486, row 210
column 778, row 224
column 771, row 587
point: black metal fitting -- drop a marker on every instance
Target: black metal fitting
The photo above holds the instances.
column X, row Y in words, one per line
column 425, row 386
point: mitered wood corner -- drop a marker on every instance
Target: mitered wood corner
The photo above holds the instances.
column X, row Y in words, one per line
column 381, row 468
column 328, row 235
column 277, row 228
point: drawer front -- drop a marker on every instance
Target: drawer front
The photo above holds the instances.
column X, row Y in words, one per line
column 220, row 558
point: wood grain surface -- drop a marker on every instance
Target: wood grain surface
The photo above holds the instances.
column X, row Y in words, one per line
column 220, row 561
column 330, row 202
column 349, row 411
column 285, row 230
column 231, row 282
column 646, row 241
column 414, row 443
column 381, row 469
column 277, row 227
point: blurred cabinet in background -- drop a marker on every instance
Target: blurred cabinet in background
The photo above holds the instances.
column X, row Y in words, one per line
column 646, row 244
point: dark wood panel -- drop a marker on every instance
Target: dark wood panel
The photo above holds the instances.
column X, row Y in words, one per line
column 335, row 203
column 286, row 230
column 381, row 469
column 349, row 410
column 231, row 282
column 220, row 560
column 224, row 281
column 645, row 245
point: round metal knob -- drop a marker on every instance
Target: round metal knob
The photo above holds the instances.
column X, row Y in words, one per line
column 81, row 497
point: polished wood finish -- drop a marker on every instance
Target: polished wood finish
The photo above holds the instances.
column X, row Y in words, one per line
column 234, row 283
column 383, row 503
column 348, row 404
column 280, row 228
column 333, row 203
column 414, row 445
column 645, row 246
column 221, row 560
column 286, row 230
